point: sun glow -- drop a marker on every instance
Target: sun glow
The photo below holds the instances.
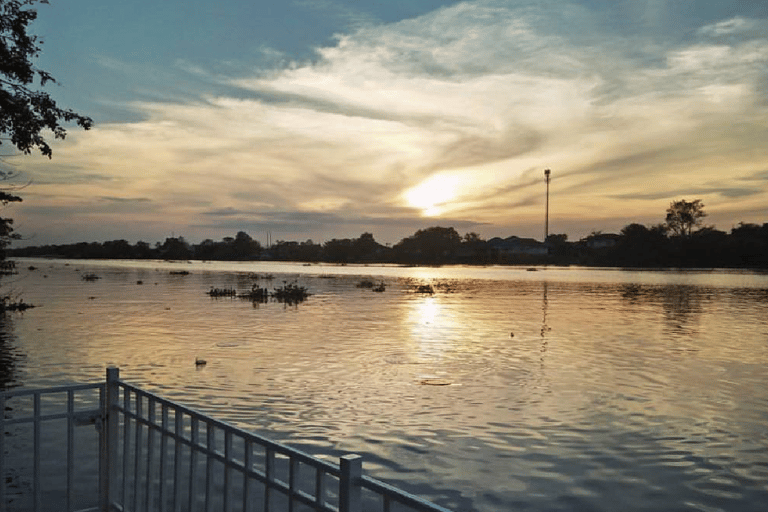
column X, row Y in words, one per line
column 433, row 193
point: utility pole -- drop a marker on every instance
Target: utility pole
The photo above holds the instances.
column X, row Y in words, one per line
column 546, row 214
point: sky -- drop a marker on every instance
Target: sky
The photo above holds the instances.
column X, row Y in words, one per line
column 326, row 119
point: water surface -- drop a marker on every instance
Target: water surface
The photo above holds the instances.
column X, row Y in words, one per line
column 506, row 389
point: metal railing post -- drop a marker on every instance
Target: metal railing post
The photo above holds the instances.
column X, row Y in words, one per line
column 108, row 460
column 351, row 467
column 2, row 451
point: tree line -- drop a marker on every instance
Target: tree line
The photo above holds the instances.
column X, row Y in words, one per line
column 681, row 241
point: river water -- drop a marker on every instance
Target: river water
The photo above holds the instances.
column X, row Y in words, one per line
column 506, row 389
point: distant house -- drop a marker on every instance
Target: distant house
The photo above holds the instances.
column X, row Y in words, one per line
column 516, row 246
column 601, row 240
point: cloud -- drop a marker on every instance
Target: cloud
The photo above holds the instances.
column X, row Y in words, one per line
column 761, row 175
column 126, row 200
column 736, row 25
column 489, row 92
column 350, row 18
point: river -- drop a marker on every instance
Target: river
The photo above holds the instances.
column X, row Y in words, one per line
column 506, row 389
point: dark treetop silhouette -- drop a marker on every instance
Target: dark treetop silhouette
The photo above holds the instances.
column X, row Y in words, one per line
column 25, row 111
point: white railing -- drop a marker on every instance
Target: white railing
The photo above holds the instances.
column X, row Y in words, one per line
column 41, row 425
column 157, row 455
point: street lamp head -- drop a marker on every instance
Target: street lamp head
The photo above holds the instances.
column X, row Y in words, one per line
column 546, row 172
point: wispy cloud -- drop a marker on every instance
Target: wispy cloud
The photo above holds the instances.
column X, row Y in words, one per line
column 489, row 92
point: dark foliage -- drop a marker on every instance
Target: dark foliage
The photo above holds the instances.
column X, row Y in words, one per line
column 683, row 216
column 434, row 245
column 636, row 246
column 24, row 111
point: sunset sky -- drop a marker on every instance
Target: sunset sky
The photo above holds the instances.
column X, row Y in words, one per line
column 329, row 118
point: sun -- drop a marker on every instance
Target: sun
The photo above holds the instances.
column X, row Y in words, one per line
column 432, row 193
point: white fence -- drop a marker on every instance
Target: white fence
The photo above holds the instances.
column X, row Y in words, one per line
column 151, row 454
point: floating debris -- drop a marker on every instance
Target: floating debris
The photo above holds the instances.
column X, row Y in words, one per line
column 32, row 268
column 222, row 292
column 200, row 362
column 139, row 282
column 8, row 304
column 179, row 272
column 435, row 382
column 379, row 288
column 425, row 288
column 90, row 277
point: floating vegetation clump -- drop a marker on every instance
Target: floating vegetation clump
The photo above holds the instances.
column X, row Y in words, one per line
column 90, row 276
column 8, row 303
column 7, row 267
column 444, row 286
column 290, row 293
column 424, row 288
column 256, row 294
column 370, row 284
column 222, row 292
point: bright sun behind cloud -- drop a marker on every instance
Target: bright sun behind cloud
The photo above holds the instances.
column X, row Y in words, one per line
column 433, row 193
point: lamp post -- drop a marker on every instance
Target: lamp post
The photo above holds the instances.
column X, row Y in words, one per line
column 546, row 214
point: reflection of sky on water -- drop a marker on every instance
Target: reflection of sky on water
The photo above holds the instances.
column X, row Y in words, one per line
column 595, row 391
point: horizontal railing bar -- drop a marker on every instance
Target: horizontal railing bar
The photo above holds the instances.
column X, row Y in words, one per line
column 277, row 447
column 58, row 389
column 399, row 495
column 57, row 416
column 308, row 499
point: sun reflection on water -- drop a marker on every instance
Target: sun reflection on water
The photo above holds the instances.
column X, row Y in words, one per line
column 431, row 328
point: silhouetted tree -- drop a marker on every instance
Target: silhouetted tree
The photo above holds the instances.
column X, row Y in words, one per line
column 640, row 246
column 175, row 249
column 338, row 250
column 683, row 216
column 244, row 247
column 430, row 245
column 366, row 248
column 748, row 245
column 474, row 249
column 143, row 251
column 25, row 112
column 7, row 234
